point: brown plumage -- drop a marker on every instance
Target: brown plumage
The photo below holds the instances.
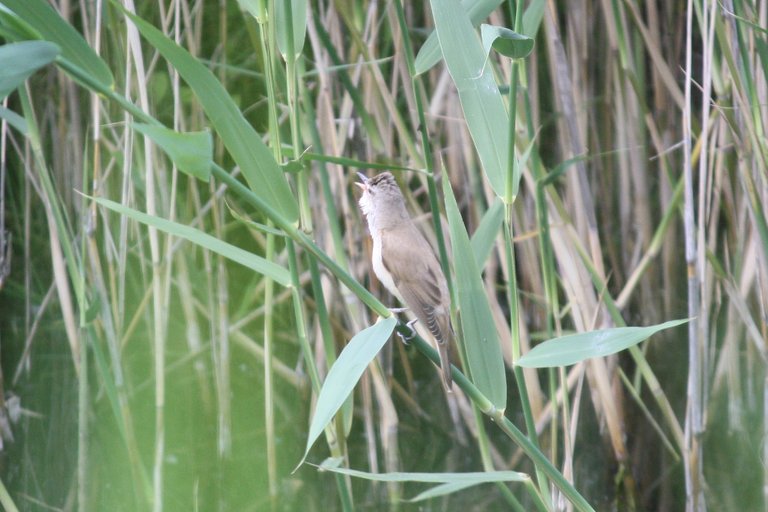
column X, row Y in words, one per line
column 404, row 262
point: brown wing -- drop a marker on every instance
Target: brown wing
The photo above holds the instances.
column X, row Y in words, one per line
column 421, row 283
column 418, row 278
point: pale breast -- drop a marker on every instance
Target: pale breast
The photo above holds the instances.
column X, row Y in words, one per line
column 381, row 271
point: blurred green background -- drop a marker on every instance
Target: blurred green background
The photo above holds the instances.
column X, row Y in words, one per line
column 600, row 100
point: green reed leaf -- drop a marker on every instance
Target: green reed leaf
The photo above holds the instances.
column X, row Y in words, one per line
column 344, row 374
column 20, row 60
column 574, row 348
column 296, row 26
column 484, row 110
column 44, row 19
column 486, row 232
column 192, row 152
column 484, row 357
column 261, row 171
column 236, row 254
column 505, row 41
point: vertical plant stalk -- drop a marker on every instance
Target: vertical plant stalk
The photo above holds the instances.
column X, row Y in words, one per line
column 692, row 454
column 4, row 242
column 221, row 347
column 268, row 41
column 765, row 436
column 158, row 308
column 82, row 432
column 291, row 88
column 5, row 499
column 305, row 209
column 65, row 257
column 586, row 219
column 511, row 186
column 355, row 309
column 269, row 409
column 223, row 370
column 269, row 389
column 587, row 309
column 343, row 484
column 83, row 394
column 418, row 93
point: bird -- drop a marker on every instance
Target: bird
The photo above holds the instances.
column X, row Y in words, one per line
column 405, row 263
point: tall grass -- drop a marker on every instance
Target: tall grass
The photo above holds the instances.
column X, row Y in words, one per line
column 143, row 368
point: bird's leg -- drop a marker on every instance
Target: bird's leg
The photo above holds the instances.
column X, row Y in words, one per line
column 408, row 338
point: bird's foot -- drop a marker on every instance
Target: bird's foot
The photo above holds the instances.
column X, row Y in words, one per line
column 407, row 339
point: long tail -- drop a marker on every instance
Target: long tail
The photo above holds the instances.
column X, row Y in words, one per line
column 444, row 347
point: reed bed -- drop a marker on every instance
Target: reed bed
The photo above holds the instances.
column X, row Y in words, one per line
column 172, row 304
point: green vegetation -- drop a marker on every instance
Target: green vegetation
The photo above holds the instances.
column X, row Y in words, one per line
column 189, row 320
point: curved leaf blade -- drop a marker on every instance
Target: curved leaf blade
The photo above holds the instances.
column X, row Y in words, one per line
column 484, row 110
column 430, row 54
column 256, row 162
column 344, row 374
column 480, row 477
column 484, row 357
column 574, row 348
column 192, row 152
column 234, row 253
column 14, row 120
column 20, row 60
column 251, row 7
column 505, row 41
column 486, row 233
column 448, row 482
column 43, row 18
column 296, row 26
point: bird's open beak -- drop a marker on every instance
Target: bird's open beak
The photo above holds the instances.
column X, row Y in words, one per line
column 363, row 184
